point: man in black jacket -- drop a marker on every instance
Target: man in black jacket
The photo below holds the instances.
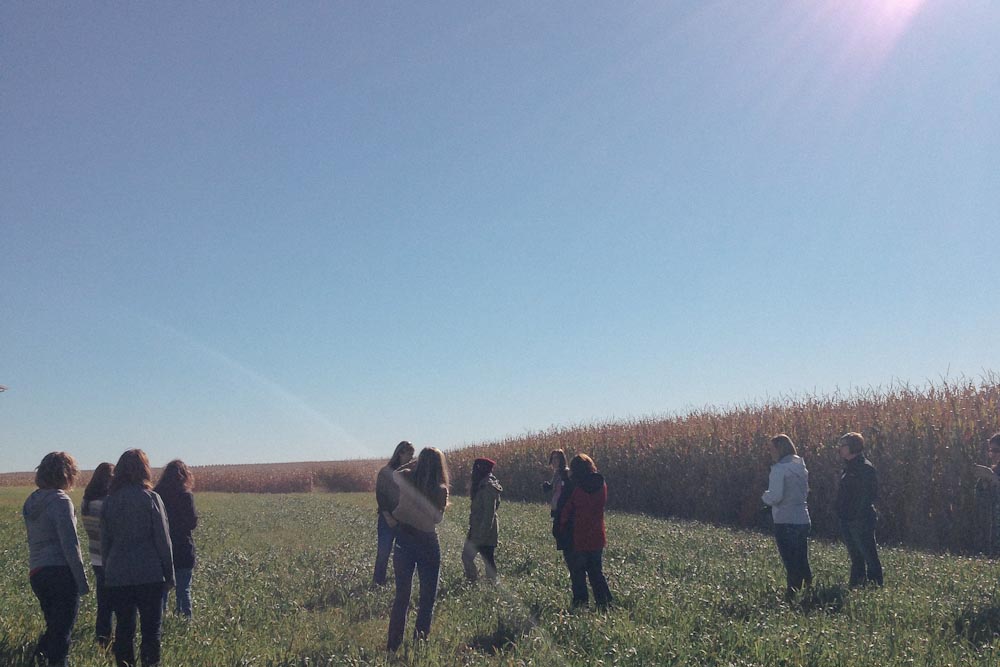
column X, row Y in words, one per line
column 856, row 496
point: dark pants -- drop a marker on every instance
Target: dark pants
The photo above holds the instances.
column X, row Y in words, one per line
column 584, row 565
column 418, row 550
column 793, row 546
column 469, row 560
column 55, row 589
column 103, row 627
column 147, row 600
column 859, row 536
column 386, row 536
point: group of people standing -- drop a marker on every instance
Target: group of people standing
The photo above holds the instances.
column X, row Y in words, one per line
column 412, row 495
column 140, row 546
column 786, row 494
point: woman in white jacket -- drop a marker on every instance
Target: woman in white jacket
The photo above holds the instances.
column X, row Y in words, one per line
column 788, row 486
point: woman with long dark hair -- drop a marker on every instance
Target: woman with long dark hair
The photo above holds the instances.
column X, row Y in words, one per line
column 787, row 489
column 484, row 526
column 174, row 489
column 386, row 496
column 423, row 497
column 56, row 564
column 137, row 557
column 90, row 510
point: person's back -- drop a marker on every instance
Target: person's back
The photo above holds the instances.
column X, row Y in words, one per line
column 790, row 479
column 416, row 510
column 134, row 549
column 484, row 526
column 585, row 508
column 50, row 522
column 90, row 513
column 182, row 519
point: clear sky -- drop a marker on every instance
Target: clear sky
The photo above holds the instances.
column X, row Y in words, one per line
column 238, row 232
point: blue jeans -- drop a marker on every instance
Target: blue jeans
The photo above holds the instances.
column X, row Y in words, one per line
column 147, row 600
column 793, row 547
column 386, row 536
column 419, row 550
column 859, row 536
column 55, row 589
column 584, row 565
column 182, row 582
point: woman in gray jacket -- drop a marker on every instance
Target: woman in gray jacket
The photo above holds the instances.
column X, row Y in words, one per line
column 137, row 556
column 788, row 486
column 56, row 564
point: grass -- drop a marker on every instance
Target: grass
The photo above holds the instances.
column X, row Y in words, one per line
column 283, row 580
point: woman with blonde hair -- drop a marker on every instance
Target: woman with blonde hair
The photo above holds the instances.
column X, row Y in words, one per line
column 137, row 556
column 423, row 497
column 174, row 489
column 787, row 489
column 56, row 564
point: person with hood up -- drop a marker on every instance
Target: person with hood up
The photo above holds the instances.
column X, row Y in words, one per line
column 856, row 495
column 787, row 489
column 484, row 526
column 56, row 570
column 582, row 508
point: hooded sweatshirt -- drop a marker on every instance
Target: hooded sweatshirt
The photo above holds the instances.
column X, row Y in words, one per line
column 52, row 540
column 787, row 489
column 585, row 511
column 484, row 526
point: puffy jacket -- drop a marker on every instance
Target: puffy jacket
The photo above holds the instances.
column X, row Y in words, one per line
column 484, row 526
column 787, row 488
column 584, row 511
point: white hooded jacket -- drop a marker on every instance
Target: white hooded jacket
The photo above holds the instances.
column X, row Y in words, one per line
column 787, row 489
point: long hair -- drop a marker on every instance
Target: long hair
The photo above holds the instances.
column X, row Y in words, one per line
column 175, row 478
column 397, row 454
column 132, row 469
column 561, row 456
column 99, row 484
column 56, row 471
column 431, row 473
column 581, row 466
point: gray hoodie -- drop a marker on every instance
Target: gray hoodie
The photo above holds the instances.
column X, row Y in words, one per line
column 135, row 539
column 787, row 489
column 52, row 540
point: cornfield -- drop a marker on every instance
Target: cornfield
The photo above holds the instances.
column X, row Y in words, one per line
column 712, row 465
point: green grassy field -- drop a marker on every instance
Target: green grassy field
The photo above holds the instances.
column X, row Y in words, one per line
column 283, row 580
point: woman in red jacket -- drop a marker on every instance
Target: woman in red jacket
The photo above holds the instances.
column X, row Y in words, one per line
column 583, row 513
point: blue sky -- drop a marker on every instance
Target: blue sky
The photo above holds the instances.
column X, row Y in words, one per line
column 236, row 232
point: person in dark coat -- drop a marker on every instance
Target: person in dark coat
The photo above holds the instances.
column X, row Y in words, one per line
column 856, row 495
column 138, row 558
column 583, row 513
column 174, row 488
